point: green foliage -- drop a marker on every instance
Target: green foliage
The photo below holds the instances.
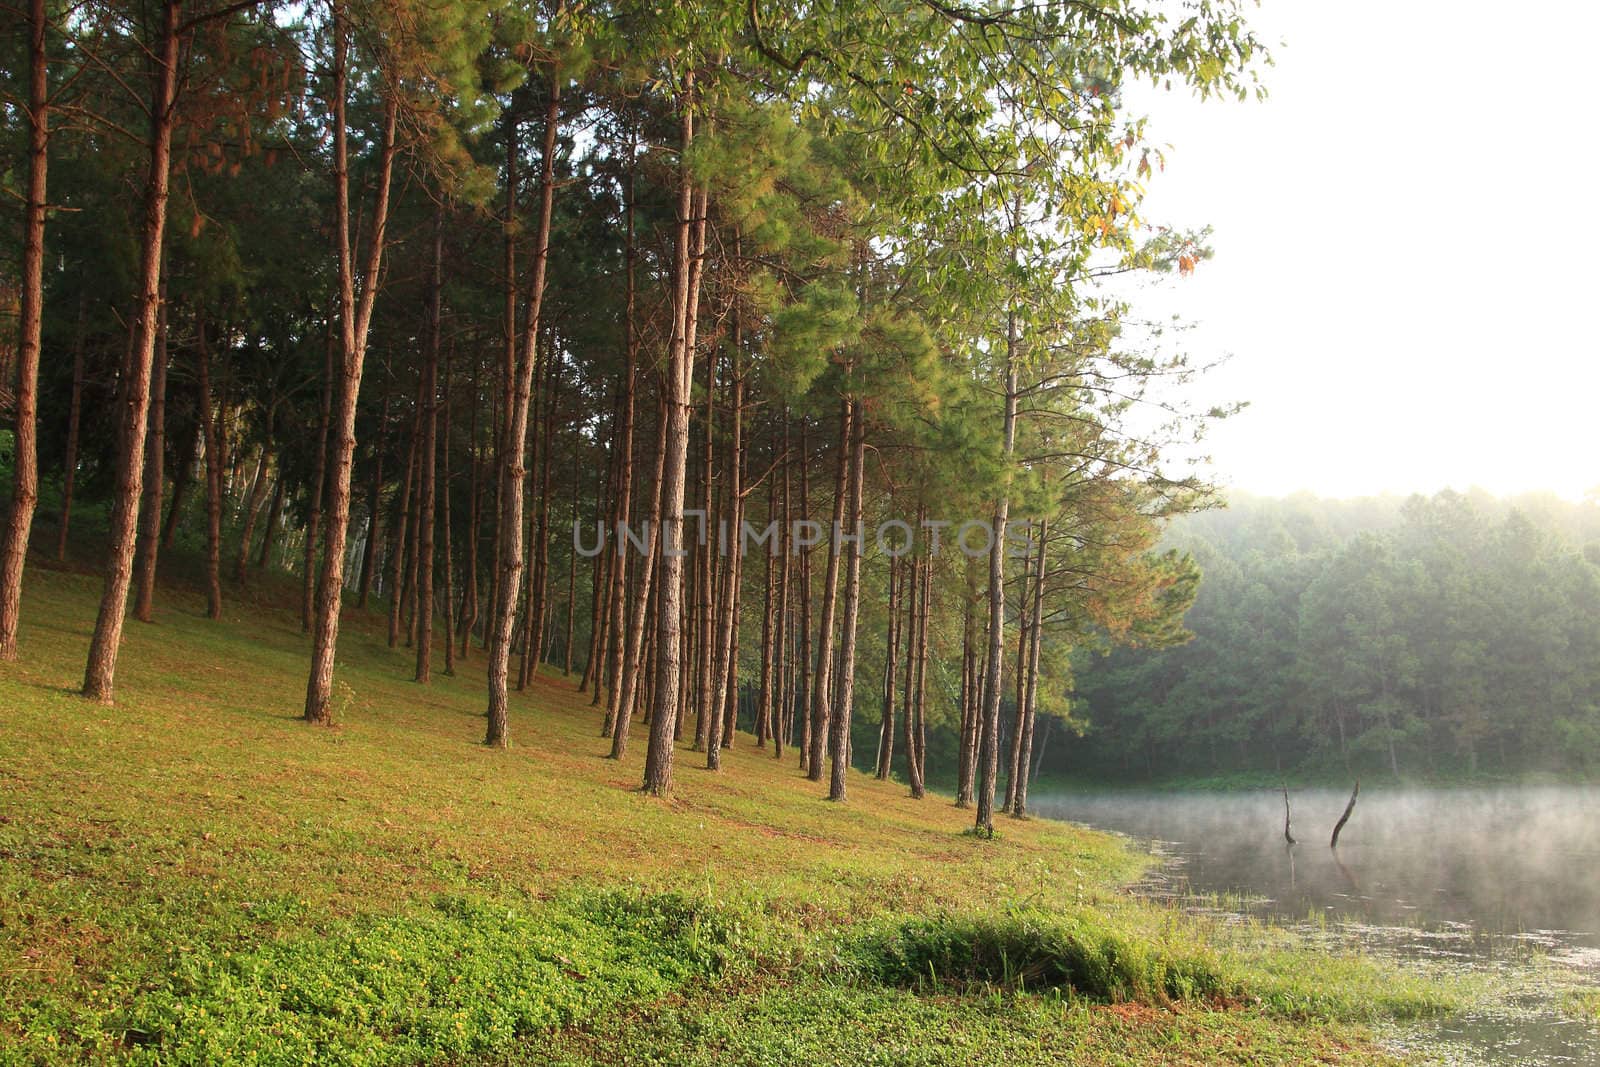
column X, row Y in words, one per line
column 523, row 909
column 463, row 977
column 1440, row 636
column 1026, row 949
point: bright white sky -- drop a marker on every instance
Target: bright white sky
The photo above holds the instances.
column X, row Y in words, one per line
column 1407, row 234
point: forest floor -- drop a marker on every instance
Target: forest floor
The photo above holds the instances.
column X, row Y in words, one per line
column 196, row 876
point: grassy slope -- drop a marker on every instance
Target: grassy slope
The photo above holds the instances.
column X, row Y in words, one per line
column 194, row 874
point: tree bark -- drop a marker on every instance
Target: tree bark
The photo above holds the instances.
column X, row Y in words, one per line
column 785, row 702
column 1338, row 827
column 989, row 739
column 803, row 664
column 1019, row 803
column 539, row 602
column 500, row 399
column 623, row 501
column 1024, row 646
column 598, row 655
column 401, row 543
column 429, row 450
column 100, row 672
column 513, row 455
column 727, row 632
column 182, row 476
column 989, row 743
column 1038, row 755
column 572, row 592
column 914, row 778
column 155, row 454
column 891, row 655
column 370, row 550
column 688, row 250
column 445, row 527
column 413, row 558
column 25, row 482
column 469, row 596
column 354, row 320
column 769, row 628
column 269, row 533
column 210, row 432
column 844, row 704
column 74, row 417
column 920, row 738
column 633, row 638
column 966, row 765
column 253, row 502
column 731, row 704
column 822, row 692
column 319, row 478
column 706, row 569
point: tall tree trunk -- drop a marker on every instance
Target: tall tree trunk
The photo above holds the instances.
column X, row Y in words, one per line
column 822, row 691
column 413, row 558
column 319, row 478
column 572, row 586
column 274, row 520
column 989, row 743
column 1038, row 755
column 706, row 568
column 623, row 499
column 597, row 656
column 354, row 320
column 25, row 481
column 182, row 476
column 401, row 544
column 100, row 672
column 469, row 596
column 731, row 703
column 445, row 524
column 785, row 703
column 210, row 432
column 1024, row 647
column 922, row 669
column 370, row 550
column 429, row 415
column 688, row 249
column 727, row 632
column 155, row 454
column 252, row 507
column 500, row 399
column 844, row 705
column 913, row 641
column 597, row 659
column 634, row 635
column 74, row 415
column 769, row 636
column 539, row 606
column 1019, row 801
column 890, row 662
column 966, row 757
column 513, row 455
column 803, row 703
column 533, row 606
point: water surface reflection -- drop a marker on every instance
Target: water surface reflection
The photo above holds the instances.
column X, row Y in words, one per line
column 1482, row 878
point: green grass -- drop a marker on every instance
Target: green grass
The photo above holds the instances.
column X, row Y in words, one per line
column 1583, row 1004
column 194, row 876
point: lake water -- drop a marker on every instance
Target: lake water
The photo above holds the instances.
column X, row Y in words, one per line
column 1505, row 879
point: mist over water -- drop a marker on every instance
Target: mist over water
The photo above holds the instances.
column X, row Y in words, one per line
column 1506, row 861
column 1503, row 879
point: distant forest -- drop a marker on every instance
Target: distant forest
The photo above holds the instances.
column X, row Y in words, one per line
column 1444, row 636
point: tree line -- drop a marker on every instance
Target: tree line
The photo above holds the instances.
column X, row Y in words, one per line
column 1448, row 635
column 390, row 295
